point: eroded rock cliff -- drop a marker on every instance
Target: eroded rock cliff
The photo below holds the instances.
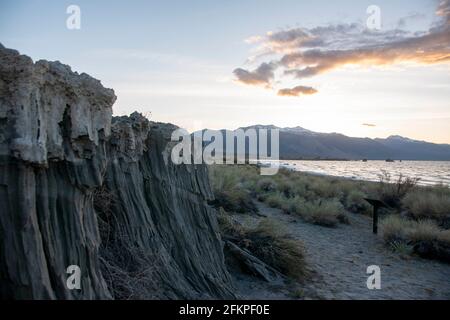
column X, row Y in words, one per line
column 79, row 187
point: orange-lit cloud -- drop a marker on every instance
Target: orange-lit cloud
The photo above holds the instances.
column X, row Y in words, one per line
column 427, row 49
column 310, row 52
column 297, row 91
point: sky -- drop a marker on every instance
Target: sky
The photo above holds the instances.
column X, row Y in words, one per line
column 225, row 64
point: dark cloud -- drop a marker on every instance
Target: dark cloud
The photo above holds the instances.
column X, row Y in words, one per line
column 297, row 91
column 310, row 52
column 262, row 76
column 369, row 124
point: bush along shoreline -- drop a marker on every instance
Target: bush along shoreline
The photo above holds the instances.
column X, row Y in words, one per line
column 416, row 222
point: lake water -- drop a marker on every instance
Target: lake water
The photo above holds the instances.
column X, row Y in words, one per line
column 429, row 172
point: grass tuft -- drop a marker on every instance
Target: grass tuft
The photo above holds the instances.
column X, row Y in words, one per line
column 428, row 204
column 268, row 242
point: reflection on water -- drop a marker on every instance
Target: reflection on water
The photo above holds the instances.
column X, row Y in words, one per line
column 429, row 172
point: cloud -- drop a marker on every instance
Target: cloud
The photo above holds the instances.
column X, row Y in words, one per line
column 369, row 124
column 443, row 10
column 308, row 52
column 297, row 91
column 403, row 22
column 262, row 76
column 428, row 49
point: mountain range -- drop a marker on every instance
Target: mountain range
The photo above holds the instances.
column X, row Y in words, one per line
column 300, row 143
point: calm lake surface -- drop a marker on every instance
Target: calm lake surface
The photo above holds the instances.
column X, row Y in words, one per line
column 429, row 172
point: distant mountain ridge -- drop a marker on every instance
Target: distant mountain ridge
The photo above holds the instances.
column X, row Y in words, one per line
column 301, row 143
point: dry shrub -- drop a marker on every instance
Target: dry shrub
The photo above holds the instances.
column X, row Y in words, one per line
column 104, row 201
column 445, row 236
column 328, row 212
column 269, row 243
column 395, row 228
column 392, row 192
column 265, row 185
column 229, row 188
column 237, row 200
column 399, row 229
column 275, row 200
column 423, row 237
column 128, row 272
column 355, row 202
column 229, row 228
column 428, row 204
column 324, row 187
column 424, row 230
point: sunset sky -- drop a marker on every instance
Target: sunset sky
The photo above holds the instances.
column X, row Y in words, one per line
column 234, row 63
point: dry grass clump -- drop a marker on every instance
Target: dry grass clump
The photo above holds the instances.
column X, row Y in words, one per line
column 265, row 185
column 399, row 229
column 354, row 202
column 229, row 228
column 230, row 186
column 328, row 212
column 275, row 200
column 394, row 228
column 424, row 230
column 325, row 187
column 423, row 237
column 269, row 243
column 428, row 203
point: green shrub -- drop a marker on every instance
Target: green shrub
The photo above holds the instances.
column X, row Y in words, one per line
column 401, row 247
column 297, row 293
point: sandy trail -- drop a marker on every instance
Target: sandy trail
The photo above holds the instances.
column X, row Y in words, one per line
column 339, row 258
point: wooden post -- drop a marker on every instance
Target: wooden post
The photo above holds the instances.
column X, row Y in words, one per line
column 376, row 204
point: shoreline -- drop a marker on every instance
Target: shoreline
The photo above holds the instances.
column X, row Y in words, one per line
column 424, row 179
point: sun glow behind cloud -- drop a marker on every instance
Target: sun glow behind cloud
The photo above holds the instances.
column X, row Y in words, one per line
column 308, row 52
